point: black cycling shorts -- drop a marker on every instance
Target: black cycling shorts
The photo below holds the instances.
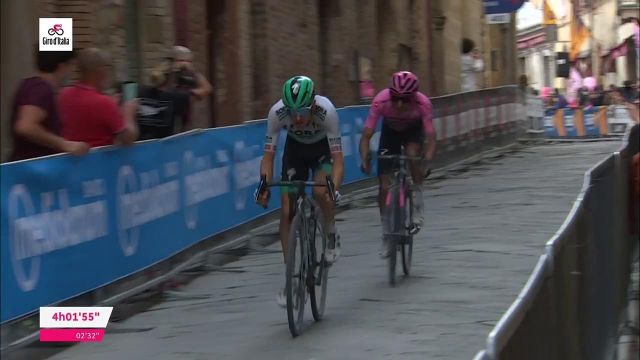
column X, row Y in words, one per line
column 300, row 159
column 392, row 140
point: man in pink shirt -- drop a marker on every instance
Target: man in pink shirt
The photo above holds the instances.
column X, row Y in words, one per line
column 406, row 117
column 90, row 116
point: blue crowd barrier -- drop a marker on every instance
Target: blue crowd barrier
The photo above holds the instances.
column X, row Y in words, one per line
column 549, row 126
column 74, row 224
column 575, row 123
column 569, row 125
column 590, row 121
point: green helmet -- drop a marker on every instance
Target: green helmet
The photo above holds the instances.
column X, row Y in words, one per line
column 298, row 92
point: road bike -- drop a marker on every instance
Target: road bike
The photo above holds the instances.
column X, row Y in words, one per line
column 307, row 270
column 397, row 214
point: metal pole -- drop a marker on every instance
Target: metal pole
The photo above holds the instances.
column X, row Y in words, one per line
column 592, row 40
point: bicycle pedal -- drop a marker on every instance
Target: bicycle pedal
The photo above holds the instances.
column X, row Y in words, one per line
column 413, row 229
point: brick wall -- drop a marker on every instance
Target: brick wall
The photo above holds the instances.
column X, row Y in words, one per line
column 197, row 42
column 293, row 39
column 156, row 32
column 82, row 12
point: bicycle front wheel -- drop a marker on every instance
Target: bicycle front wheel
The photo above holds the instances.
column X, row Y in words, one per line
column 320, row 268
column 407, row 253
column 296, row 273
column 394, row 227
column 407, row 241
column 392, row 244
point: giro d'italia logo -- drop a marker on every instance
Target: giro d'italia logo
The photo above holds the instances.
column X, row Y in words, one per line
column 56, row 34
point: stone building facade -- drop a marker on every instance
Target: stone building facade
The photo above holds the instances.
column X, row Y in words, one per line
column 248, row 48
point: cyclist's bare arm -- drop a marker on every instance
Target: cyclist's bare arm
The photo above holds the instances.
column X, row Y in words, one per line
column 369, row 129
column 338, row 169
column 266, row 166
column 367, row 134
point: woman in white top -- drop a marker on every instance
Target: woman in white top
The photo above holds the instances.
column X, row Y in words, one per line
column 471, row 65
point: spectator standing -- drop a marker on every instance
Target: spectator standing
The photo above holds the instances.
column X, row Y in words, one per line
column 560, row 101
column 161, row 107
column 183, row 77
column 583, row 97
column 629, row 94
column 471, row 65
column 610, row 95
column 35, row 124
column 89, row 115
column 596, row 97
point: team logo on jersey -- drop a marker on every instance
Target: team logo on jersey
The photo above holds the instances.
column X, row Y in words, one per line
column 320, row 113
column 282, row 113
column 335, row 144
column 304, row 132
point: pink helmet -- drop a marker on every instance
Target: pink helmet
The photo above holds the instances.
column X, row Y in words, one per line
column 403, row 83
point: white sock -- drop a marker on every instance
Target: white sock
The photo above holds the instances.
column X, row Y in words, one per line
column 418, row 205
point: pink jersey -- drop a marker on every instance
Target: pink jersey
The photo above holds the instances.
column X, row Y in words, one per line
column 419, row 109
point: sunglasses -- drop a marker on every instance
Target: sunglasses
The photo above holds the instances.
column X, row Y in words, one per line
column 404, row 100
column 301, row 111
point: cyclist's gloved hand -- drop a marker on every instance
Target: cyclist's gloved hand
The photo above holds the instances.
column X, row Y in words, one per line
column 338, row 196
column 262, row 199
column 262, row 194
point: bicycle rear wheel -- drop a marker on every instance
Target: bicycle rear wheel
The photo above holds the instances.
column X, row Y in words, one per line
column 296, row 273
column 319, row 268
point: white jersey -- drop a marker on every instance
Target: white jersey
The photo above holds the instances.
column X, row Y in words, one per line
column 324, row 124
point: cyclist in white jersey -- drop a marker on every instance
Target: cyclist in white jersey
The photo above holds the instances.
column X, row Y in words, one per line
column 313, row 144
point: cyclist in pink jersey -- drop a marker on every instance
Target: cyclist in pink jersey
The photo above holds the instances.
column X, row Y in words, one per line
column 406, row 117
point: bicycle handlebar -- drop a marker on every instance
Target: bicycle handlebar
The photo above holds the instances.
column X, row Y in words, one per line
column 298, row 183
column 401, row 157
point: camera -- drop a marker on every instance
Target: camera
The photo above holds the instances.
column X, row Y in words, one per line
column 185, row 78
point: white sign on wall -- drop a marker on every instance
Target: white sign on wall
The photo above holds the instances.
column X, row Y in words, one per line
column 498, row 18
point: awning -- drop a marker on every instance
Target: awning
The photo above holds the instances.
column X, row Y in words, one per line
column 625, row 31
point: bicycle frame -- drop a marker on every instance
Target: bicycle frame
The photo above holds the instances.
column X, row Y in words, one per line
column 401, row 180
column 302, row 203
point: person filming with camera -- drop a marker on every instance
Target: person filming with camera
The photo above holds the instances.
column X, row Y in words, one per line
column 184, row 78
column 165, row 105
